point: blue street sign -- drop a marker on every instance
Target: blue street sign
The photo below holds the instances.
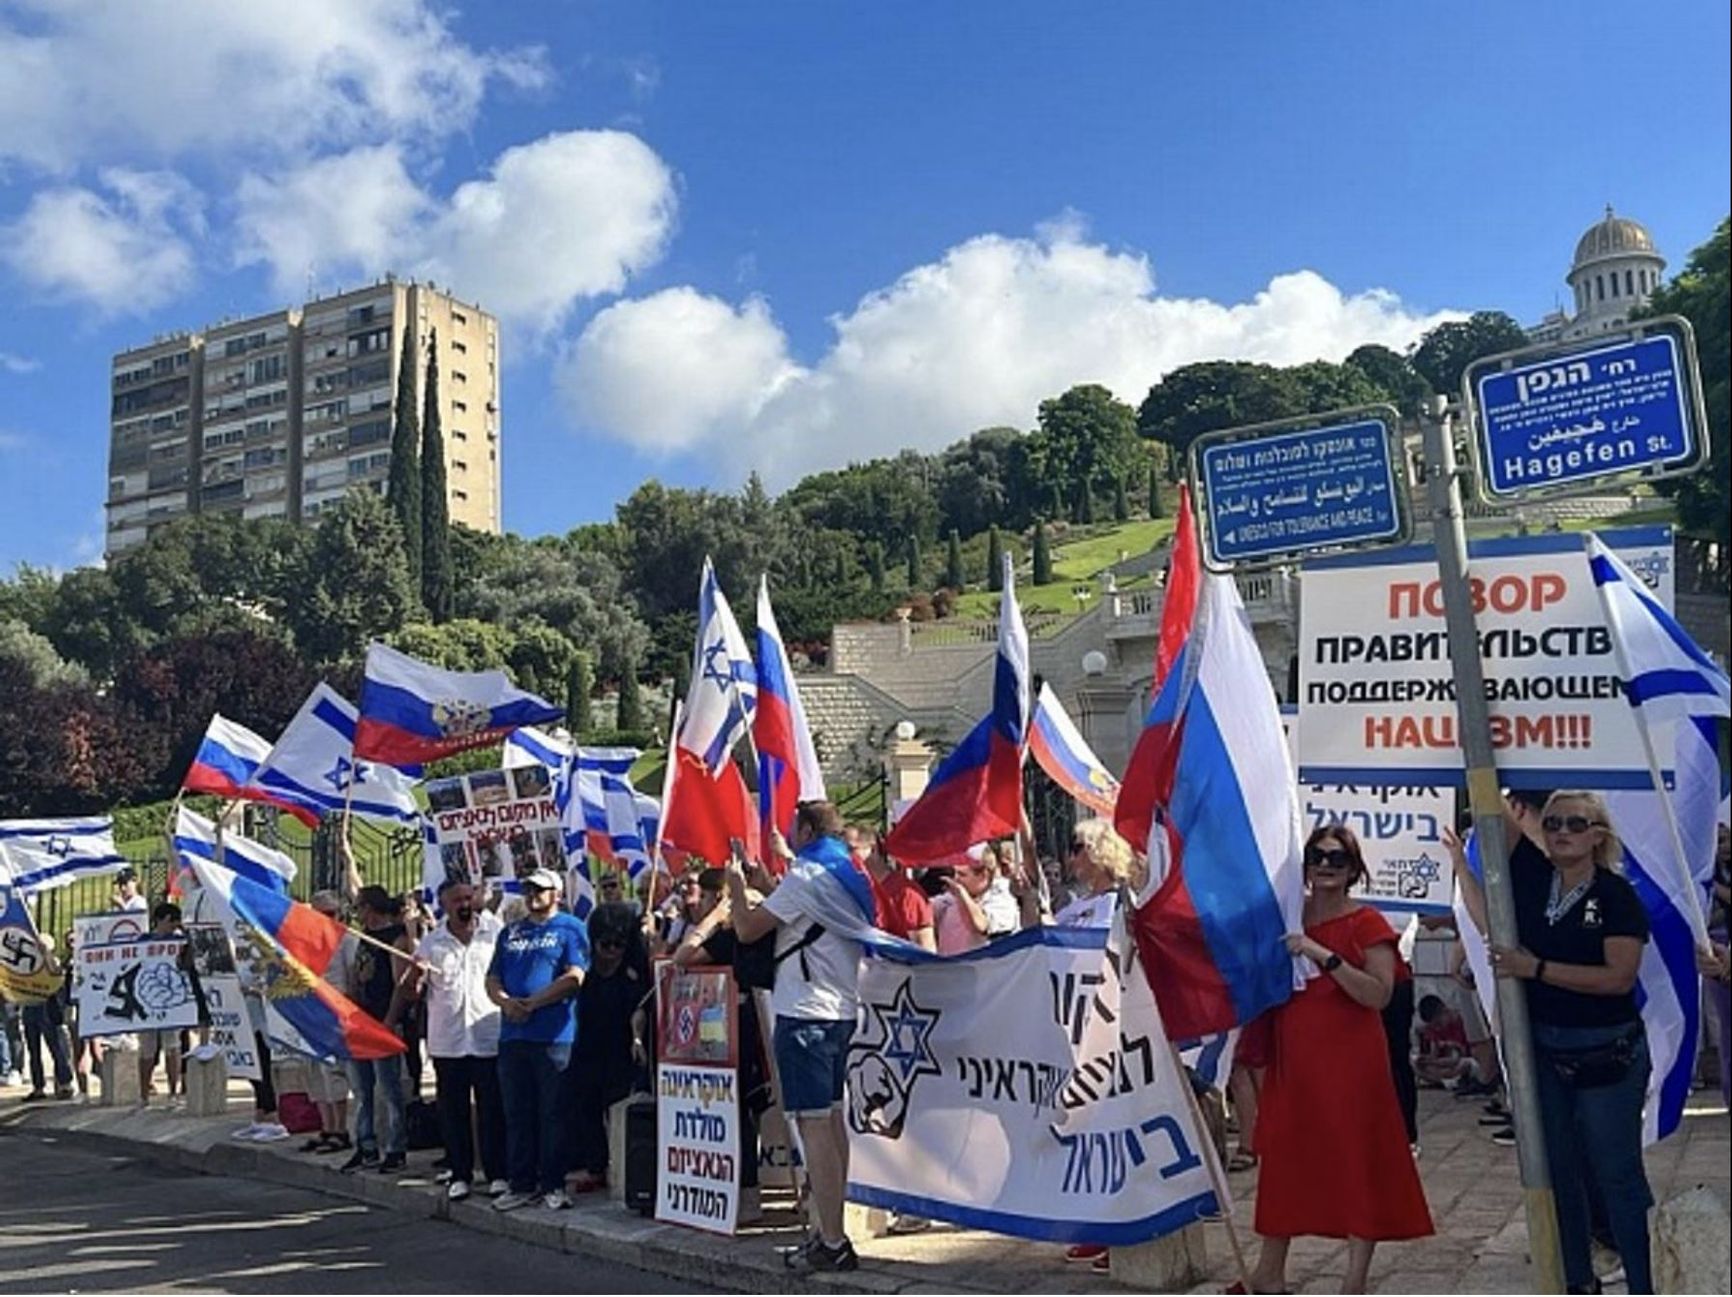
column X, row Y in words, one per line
column 1565, row 420
column 1277, row 492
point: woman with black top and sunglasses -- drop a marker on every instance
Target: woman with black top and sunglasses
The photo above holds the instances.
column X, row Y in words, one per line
column 1581, row 927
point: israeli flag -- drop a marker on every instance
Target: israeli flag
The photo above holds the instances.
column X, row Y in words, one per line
column 314, row 764
column 723, row 696
column 46, row 854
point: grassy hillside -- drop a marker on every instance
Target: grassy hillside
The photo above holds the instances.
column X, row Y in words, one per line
column 1077, row 559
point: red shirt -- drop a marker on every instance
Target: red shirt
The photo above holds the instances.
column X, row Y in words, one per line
column 902, row 908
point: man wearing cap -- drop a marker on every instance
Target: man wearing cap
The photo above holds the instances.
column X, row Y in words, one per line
column 537, row 970
column 126, row 895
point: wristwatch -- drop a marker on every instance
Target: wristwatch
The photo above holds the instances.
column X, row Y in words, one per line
column 1332, row 963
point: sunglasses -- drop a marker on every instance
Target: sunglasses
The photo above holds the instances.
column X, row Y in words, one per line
column 1570, row 824
column 1334, row 857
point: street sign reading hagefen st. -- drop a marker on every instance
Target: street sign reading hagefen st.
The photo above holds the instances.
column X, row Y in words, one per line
column 1559, row 420
column 1275, row 491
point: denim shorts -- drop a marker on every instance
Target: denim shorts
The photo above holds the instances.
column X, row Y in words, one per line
column 811, row 1061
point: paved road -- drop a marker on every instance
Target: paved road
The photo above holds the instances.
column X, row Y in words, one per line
column 75, row 1220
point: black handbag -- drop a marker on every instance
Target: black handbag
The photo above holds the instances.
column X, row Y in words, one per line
column 1597, row 1066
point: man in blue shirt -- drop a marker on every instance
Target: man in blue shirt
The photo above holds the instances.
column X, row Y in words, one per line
column 538, row 967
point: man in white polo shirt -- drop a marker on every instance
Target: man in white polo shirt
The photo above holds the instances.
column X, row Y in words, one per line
column 462, row 1034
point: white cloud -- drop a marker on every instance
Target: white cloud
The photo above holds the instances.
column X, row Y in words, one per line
column 125, row 252
column 13, row 363
column 84, row 79
column 979, row 337
column 568, row 216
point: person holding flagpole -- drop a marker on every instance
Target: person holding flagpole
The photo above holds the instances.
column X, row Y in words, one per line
column 1581, row 928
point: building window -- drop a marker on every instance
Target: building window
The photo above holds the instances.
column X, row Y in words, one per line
column 458, row 466
column 458, row 376
column 457, row 317
column 459, row 348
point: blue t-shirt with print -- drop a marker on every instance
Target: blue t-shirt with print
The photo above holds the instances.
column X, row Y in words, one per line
column 528, row 957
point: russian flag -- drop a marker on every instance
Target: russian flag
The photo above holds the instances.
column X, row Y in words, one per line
column 302, row 942
column 976, row 792
column 228, row 757
column 1054, row 742
column 1213, row 934
column 196, row 837
column 788, row 770
column 413, row 712
column 1145, row 779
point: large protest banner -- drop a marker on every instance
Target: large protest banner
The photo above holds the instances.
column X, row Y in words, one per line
column 1027, row 1088
column 492, row 824
column 24, row 969
column 1400, row 832
column 1377, row 697
column 129, row 986
column 697, row 1098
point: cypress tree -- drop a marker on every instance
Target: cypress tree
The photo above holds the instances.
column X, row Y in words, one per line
column 1042, row 554
column 914, row 562
column 403, row 487
column 954, row 577
column 579, row 680
column 1155, row 489
column 1058, row 509
column 1085, row 503
column 435, row 509
column 875, row 565
column 1121, row 502
column 682, row 677
column 994, row 559
column 630, row 714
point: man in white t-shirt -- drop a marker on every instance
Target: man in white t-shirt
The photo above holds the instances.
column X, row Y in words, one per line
column 815, row 1000
column 450, row 970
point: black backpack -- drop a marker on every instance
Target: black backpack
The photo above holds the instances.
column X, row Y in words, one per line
column 755, row 962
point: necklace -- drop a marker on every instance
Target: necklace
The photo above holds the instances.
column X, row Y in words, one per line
column 1559, row 905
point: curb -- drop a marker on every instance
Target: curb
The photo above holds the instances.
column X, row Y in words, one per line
column 742, row 1263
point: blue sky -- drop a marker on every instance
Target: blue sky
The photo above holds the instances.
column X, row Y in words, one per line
column 780, row 235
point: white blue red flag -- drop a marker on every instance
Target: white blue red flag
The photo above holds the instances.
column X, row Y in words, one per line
column 313, row 765
column 724, row 689
column 1056, row 744
column 195, row 838
column 975, row 795
column 51, row 853
column 413, row 712
column 1148, row 774
column 788, row 770
column 1213, row 934
column 228, row 757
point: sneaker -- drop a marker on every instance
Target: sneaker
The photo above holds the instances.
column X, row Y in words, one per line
column 64, row 1092
column 458, row 1190
column 900, row 1223
column 359, row 1158
column 1084, row 1252
column 393, row 1164
column 14, row 1077
column 1608, row 1265
column 511, row 1200
column 556, row 1200
column 818, row 1256
column 498, row 1188
column 36, row 1096
column 1504, row 1137
column 444, row 1177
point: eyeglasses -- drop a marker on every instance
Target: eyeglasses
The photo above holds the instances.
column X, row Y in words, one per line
column 1570, row 824
column 1333, row 857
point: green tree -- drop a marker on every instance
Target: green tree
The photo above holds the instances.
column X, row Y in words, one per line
column 403, row 486
column 1700, row 294
column 1042, row 555
column 539, row 658
column 579, row 685
column 914, row 563
column 1216, row 394
column 994, row 560
column 1445, row 352
column 1121, row 501
column 630, row 714
column 1087, row 439
column 436, row 592
column 954, row 577
column 875, row 565
column 1155, row 510
column 1085, row 503
column 358, row 580
column 1394, row 376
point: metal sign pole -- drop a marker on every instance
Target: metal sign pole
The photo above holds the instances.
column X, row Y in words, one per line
column 1485, row 801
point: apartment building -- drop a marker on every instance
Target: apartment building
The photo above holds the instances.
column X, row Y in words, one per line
column 279, row 415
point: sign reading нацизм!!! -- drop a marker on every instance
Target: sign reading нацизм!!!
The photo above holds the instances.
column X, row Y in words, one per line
column 1555, row 420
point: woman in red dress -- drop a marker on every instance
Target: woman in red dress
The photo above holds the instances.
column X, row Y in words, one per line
column 1334, row 1152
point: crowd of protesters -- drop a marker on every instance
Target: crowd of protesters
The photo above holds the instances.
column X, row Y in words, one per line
column 536, row 1024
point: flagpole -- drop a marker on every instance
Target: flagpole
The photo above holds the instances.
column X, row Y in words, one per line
column 1217, row 1173
column 656, row 861
column 1680, row 861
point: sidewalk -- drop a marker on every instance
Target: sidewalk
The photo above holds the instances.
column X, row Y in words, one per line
column 1471, row 1185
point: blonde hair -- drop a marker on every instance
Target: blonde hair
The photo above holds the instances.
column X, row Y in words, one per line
column 1111, row 853
column 1608, row 851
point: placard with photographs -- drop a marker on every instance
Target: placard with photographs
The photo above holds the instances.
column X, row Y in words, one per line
column 493, row 824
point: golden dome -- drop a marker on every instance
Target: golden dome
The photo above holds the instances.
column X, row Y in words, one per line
column 1613, row 237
